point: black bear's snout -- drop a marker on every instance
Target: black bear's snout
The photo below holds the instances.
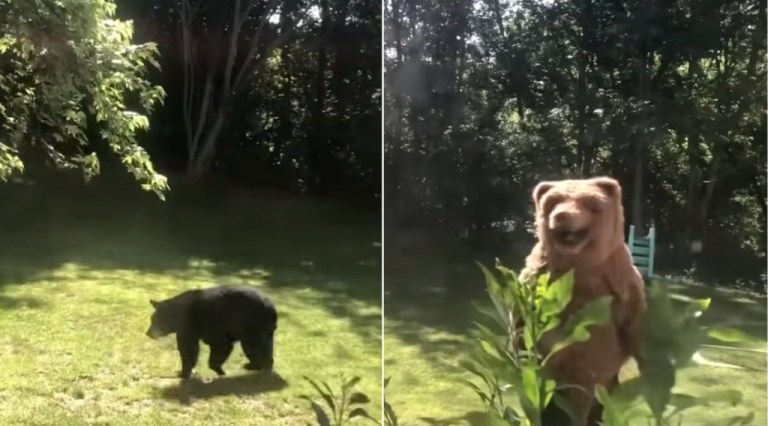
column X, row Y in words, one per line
column 152, row 334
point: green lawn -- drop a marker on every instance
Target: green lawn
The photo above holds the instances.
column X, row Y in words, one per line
column 79, row 264
column 428, row 312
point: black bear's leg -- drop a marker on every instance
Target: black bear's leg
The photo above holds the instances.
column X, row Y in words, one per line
column 220, row 351
column 251, row 349
column 189, row 349
column 258, row 349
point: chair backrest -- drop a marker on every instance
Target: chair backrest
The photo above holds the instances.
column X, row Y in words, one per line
column 643, row 250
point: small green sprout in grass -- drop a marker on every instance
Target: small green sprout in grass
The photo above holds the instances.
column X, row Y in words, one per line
column 344, row 407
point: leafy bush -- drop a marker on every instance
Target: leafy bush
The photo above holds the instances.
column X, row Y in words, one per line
column 508, row 361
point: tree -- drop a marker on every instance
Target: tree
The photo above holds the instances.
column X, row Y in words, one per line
column 486, row 97
column 215, row 77
column 70, row 71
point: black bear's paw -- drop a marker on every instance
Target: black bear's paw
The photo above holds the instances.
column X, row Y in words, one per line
column 251, row 367
column 185, row 375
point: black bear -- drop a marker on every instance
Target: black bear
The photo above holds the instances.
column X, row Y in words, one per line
column 219, row 316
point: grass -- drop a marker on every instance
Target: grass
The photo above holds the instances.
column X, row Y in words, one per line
column 78, row 265
column 428, row 314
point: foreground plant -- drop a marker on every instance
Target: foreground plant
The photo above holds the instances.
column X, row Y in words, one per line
column 672, row 334
column 508, row 360
column 343, row 407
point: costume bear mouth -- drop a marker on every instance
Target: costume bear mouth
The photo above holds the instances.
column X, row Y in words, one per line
column 571, row 238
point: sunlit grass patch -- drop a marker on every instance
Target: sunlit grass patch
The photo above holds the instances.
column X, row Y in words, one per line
column 74, row 302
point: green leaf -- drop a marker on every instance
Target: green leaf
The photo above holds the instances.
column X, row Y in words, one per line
column 359, row 398
column 548, row 390
column 352, row 383
column 557, row 296
column 359, row 413
column 563, row 404
column 596, row 312
column 530, row 375
column 390, row 418
column 613, row 410
column 730, row 335
column 530, row 397
column 483, row 396
column 327, row 396
column 528, row 338
column 320, row 414
column 659, row 379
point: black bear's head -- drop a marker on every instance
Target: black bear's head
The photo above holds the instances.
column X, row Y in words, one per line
column 163, row 320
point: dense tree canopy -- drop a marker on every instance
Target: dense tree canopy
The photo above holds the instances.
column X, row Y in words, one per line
column 485, row 98
column 289, row 99
column 70, row 79
column 278, row 94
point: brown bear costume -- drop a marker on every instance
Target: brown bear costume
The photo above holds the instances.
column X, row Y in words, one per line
column 580, row 227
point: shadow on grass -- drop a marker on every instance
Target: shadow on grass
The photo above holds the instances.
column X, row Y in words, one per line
column 472, row 418
column 7, row 302
column 187, row 391
column 282, row 241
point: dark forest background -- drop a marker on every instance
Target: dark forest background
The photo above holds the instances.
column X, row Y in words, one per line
column 485, row 98
column 305, row 115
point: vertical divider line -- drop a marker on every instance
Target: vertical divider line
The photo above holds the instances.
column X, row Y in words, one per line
column 381, row 245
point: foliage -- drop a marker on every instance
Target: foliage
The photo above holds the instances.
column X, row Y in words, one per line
column 344, row 406
column 671, row 336
column 70, row 74
column 514, row 361
column 485, row 98
column 390, row 417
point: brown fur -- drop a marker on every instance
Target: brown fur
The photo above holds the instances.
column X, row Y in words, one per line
column 602, row 265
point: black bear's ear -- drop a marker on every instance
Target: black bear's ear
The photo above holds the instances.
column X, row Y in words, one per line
column 154, row 303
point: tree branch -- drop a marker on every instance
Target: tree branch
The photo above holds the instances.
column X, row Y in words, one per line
column 202, row 118
column 254, row 46
column 232, row 54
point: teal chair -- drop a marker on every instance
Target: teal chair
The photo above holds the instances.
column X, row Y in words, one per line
column 643, row 250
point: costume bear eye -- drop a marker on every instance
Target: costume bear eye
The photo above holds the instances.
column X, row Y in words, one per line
column 593, row 206
column 550, row 203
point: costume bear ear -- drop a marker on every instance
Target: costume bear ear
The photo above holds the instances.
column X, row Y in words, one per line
column 540, row 190
column 154, row 303
column 609, row 185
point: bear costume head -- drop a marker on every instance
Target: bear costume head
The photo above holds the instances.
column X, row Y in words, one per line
column 579, row 220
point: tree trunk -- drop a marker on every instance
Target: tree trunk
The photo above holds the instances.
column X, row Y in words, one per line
column 398, row 160
column 199, row 165
column 318, row 149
